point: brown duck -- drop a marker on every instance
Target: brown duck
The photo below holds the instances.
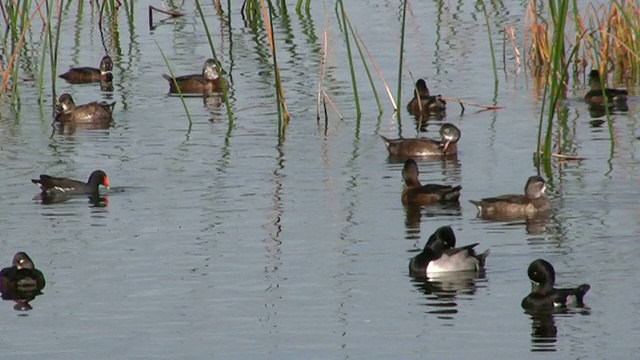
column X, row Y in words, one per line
column 531, row 203
column 93, row 112
column 207, row 82
column 416, row 193
column 423, row 103
column 81, row 75
column 447, row 145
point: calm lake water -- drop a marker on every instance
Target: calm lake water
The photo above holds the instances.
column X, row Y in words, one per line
column 220, row 241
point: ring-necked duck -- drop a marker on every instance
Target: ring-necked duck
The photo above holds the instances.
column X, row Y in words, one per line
column 423, row 102
column 21, row 276
column 596, row 96
column 82, row 75
column 544, row 296
column 530, row 204
column 440, row 255
column 414, row 192
column 449, row 133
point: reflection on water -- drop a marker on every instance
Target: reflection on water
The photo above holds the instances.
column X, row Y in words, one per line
column 422, row 121
column 543, row 332
column 22, row 299
column 443, row 291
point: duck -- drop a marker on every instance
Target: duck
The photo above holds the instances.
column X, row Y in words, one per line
column 543, row 296
column 414, row 192
column 423, row 102
column 530, row 204
column 415, row 147
column 81, row 75
column 93, row 112
column 441, row 256
column 51, row 185
column 207, row 82
column 597, row 95
column 22, row 276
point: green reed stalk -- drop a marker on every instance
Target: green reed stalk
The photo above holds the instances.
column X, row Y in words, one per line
column 366, row 67
column 558, row 72
column 225, row 91
column 184, row 103
column 44, row 52
column 401, row 60
column 351, row 66
column 493, row 54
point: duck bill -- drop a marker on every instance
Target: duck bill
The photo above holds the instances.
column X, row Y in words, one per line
column 446, row 146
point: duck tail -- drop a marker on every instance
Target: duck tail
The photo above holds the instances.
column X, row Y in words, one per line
column 477, row 203
column 580, row 292
column 483, row 257
column 453, row 194
column 167, row 77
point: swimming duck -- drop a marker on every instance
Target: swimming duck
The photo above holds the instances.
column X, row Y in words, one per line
column 447, row 145
column 207, row 82
column 49, row 184
column 596, row 96
column 22, row 276
column 93, row 112
column 530, row 204
column 544, row 296
column 82, row 75
column 416, row 193
column 423, row 102
column 440, row 255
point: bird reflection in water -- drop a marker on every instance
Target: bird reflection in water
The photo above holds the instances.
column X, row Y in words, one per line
column 443, row 291
column 543, row 332
column 55, row 197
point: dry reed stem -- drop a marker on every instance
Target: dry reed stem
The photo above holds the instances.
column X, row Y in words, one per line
column 323, row 62
column 17, row 51
column 272, row 44
column 486, row 107
column 510, row 31
column 328, row 98
column 565, row 157
column 375, row 66
column 417, row 93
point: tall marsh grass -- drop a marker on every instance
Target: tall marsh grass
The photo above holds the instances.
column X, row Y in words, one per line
column 564, row 44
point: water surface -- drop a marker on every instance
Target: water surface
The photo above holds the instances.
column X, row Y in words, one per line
column 222, row 240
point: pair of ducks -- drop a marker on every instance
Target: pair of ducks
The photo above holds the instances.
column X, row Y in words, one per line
column 509, row 206
column 205, row 83
column 441, row 256
column 94, row 112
